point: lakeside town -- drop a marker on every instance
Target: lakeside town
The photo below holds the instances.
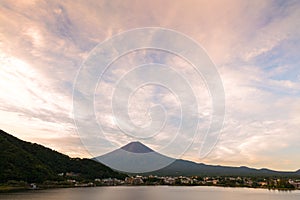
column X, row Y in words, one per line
column 251, row 182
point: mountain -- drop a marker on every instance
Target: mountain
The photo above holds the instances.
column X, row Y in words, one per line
column 136, row 147
column 20, row 160
column 135, row 157
column 188, row 168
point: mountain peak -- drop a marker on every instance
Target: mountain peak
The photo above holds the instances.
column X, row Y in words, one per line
column 136, row 147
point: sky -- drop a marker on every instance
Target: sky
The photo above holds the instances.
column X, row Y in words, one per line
column 254, row 46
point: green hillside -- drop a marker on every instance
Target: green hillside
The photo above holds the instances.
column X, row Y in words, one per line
column 25, row 161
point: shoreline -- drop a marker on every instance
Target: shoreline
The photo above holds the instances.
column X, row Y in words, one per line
column 16, row 189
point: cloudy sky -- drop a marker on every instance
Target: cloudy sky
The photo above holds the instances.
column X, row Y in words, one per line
column 253, row 44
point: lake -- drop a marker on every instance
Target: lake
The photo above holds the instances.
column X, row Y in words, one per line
column 153, row 192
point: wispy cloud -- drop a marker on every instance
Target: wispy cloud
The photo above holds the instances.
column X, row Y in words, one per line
column 254, row 44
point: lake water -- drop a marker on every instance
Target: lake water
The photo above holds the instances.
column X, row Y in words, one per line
column 153, row 192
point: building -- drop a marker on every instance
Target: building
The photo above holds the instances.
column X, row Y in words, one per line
column 134, row 180
column 295, row 183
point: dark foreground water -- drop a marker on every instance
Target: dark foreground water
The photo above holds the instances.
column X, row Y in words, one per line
column 154, row 192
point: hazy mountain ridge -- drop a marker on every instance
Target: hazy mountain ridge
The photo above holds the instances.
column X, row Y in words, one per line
column 20, row 160
column 179, row 167
column 188, row 168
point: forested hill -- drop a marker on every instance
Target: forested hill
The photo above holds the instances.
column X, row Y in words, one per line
column 25, row 161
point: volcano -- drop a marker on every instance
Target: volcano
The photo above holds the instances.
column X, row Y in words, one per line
column 136, row 157
column 136, row 147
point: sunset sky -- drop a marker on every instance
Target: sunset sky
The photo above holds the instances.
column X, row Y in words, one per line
column 253, row 44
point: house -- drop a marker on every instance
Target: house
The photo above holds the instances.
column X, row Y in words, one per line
column 295, row 183
column 33, row 186
column 134, row 180
column 263, row 183
column 169, row 181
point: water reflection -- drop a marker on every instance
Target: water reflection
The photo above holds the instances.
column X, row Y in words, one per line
column 153, row 192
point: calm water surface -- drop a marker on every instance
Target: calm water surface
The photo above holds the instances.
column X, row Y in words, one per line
column 153, row 192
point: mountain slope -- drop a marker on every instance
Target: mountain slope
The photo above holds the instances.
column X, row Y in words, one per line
column 136, row 147
column 20, row 160
column 134, row 157
column 188, row 168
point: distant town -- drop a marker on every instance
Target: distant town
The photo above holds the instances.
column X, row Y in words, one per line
column 251, row 182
